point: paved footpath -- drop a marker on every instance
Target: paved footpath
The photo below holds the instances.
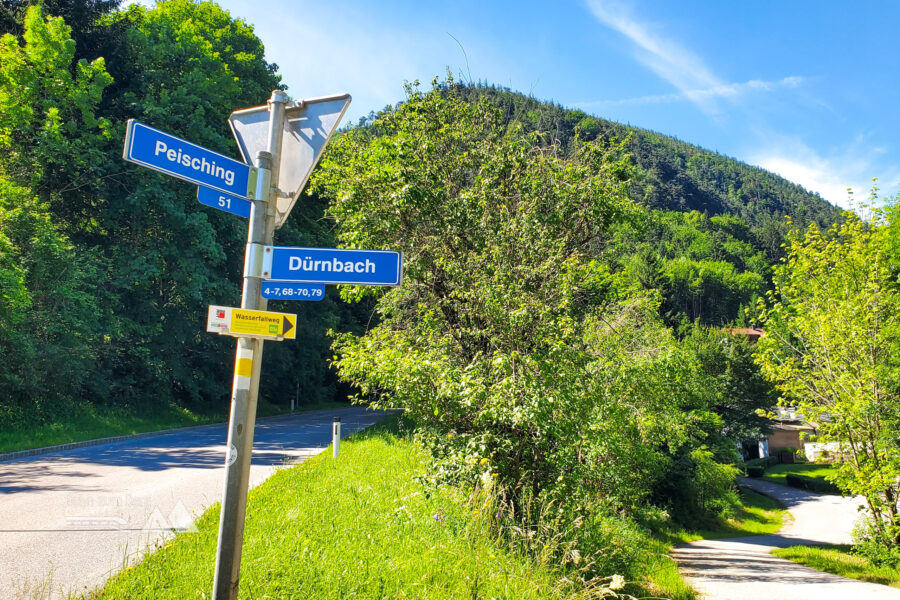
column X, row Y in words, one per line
column 744, row 569
column 70, row 519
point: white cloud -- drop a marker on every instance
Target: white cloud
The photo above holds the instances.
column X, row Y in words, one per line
column 668, row 59
column 831, row 175
column 850, row 168
column 675, row 63
column 728, row 90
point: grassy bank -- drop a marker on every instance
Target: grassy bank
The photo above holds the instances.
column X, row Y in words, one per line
column 363, row 526
column 838, row 560
column 779, row 473
column 360, row 526
column 757, row 515
column 86, row 421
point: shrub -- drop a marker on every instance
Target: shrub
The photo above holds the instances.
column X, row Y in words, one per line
column 812, row 484
column 765, row 462
column 877, row 544
column 521, row 358
column 697, row 489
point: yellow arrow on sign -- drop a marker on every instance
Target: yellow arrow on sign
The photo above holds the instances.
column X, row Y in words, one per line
column 241, row 322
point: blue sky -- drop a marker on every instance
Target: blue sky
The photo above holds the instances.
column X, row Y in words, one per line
column 807, row 89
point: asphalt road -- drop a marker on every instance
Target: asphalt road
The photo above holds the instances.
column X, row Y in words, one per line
column 744, row 569
column 70, row 519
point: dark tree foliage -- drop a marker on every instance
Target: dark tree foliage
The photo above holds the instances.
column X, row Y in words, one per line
column 141, row 252
column 705, row 269
column 83, row 16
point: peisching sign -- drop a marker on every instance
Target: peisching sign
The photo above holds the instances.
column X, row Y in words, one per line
column 179, row 158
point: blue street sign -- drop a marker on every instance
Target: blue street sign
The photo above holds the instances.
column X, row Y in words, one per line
column 179, row 158
column 232, row 204
column 285, row 290
column 333, row 265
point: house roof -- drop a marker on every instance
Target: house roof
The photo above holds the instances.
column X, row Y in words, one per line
column 793, row 427
column 749, row 332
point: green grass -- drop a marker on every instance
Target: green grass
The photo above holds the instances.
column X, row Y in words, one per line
column 839, row 561
column 663, row 579
column 757, row 515
column 86, row 421
column 778, row 473
column 361, row 526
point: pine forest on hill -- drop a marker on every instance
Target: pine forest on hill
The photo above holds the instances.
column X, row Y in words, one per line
column 567, row 278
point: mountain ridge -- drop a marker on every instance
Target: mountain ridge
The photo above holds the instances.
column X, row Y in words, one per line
column 675, row 174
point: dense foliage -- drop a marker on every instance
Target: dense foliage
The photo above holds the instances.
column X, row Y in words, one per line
column 139, row 259
column 528, row 359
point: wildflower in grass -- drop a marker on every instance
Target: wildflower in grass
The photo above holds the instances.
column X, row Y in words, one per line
column 616, row 582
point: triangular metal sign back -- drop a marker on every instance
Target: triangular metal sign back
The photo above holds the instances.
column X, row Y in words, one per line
column 308, row 125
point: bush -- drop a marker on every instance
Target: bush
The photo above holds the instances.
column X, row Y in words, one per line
column 697, row 490
column 756, row 471
column 877, row 544
column 765, row 463
column 812, row 484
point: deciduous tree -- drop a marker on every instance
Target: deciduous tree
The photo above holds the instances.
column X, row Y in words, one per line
column 832, row 346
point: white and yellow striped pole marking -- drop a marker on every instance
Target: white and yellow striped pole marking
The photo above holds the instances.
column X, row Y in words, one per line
column 243, row 367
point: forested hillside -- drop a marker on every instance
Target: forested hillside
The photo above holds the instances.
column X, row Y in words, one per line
column 675, row 175
column 107, row 268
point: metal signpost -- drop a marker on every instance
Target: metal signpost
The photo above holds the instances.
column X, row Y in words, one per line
column 284, row 140
column 245, row 389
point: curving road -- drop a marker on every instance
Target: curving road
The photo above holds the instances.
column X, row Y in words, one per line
column 744, row 569
column 70, row 519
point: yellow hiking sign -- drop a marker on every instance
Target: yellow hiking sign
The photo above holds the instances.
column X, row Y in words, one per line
column 241, row 322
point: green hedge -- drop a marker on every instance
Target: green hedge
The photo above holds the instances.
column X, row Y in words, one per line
column 765, row 463
column 755, row 470
column 812, row 484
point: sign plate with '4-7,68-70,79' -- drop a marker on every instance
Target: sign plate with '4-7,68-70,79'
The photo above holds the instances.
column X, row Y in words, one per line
column 241, row 322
